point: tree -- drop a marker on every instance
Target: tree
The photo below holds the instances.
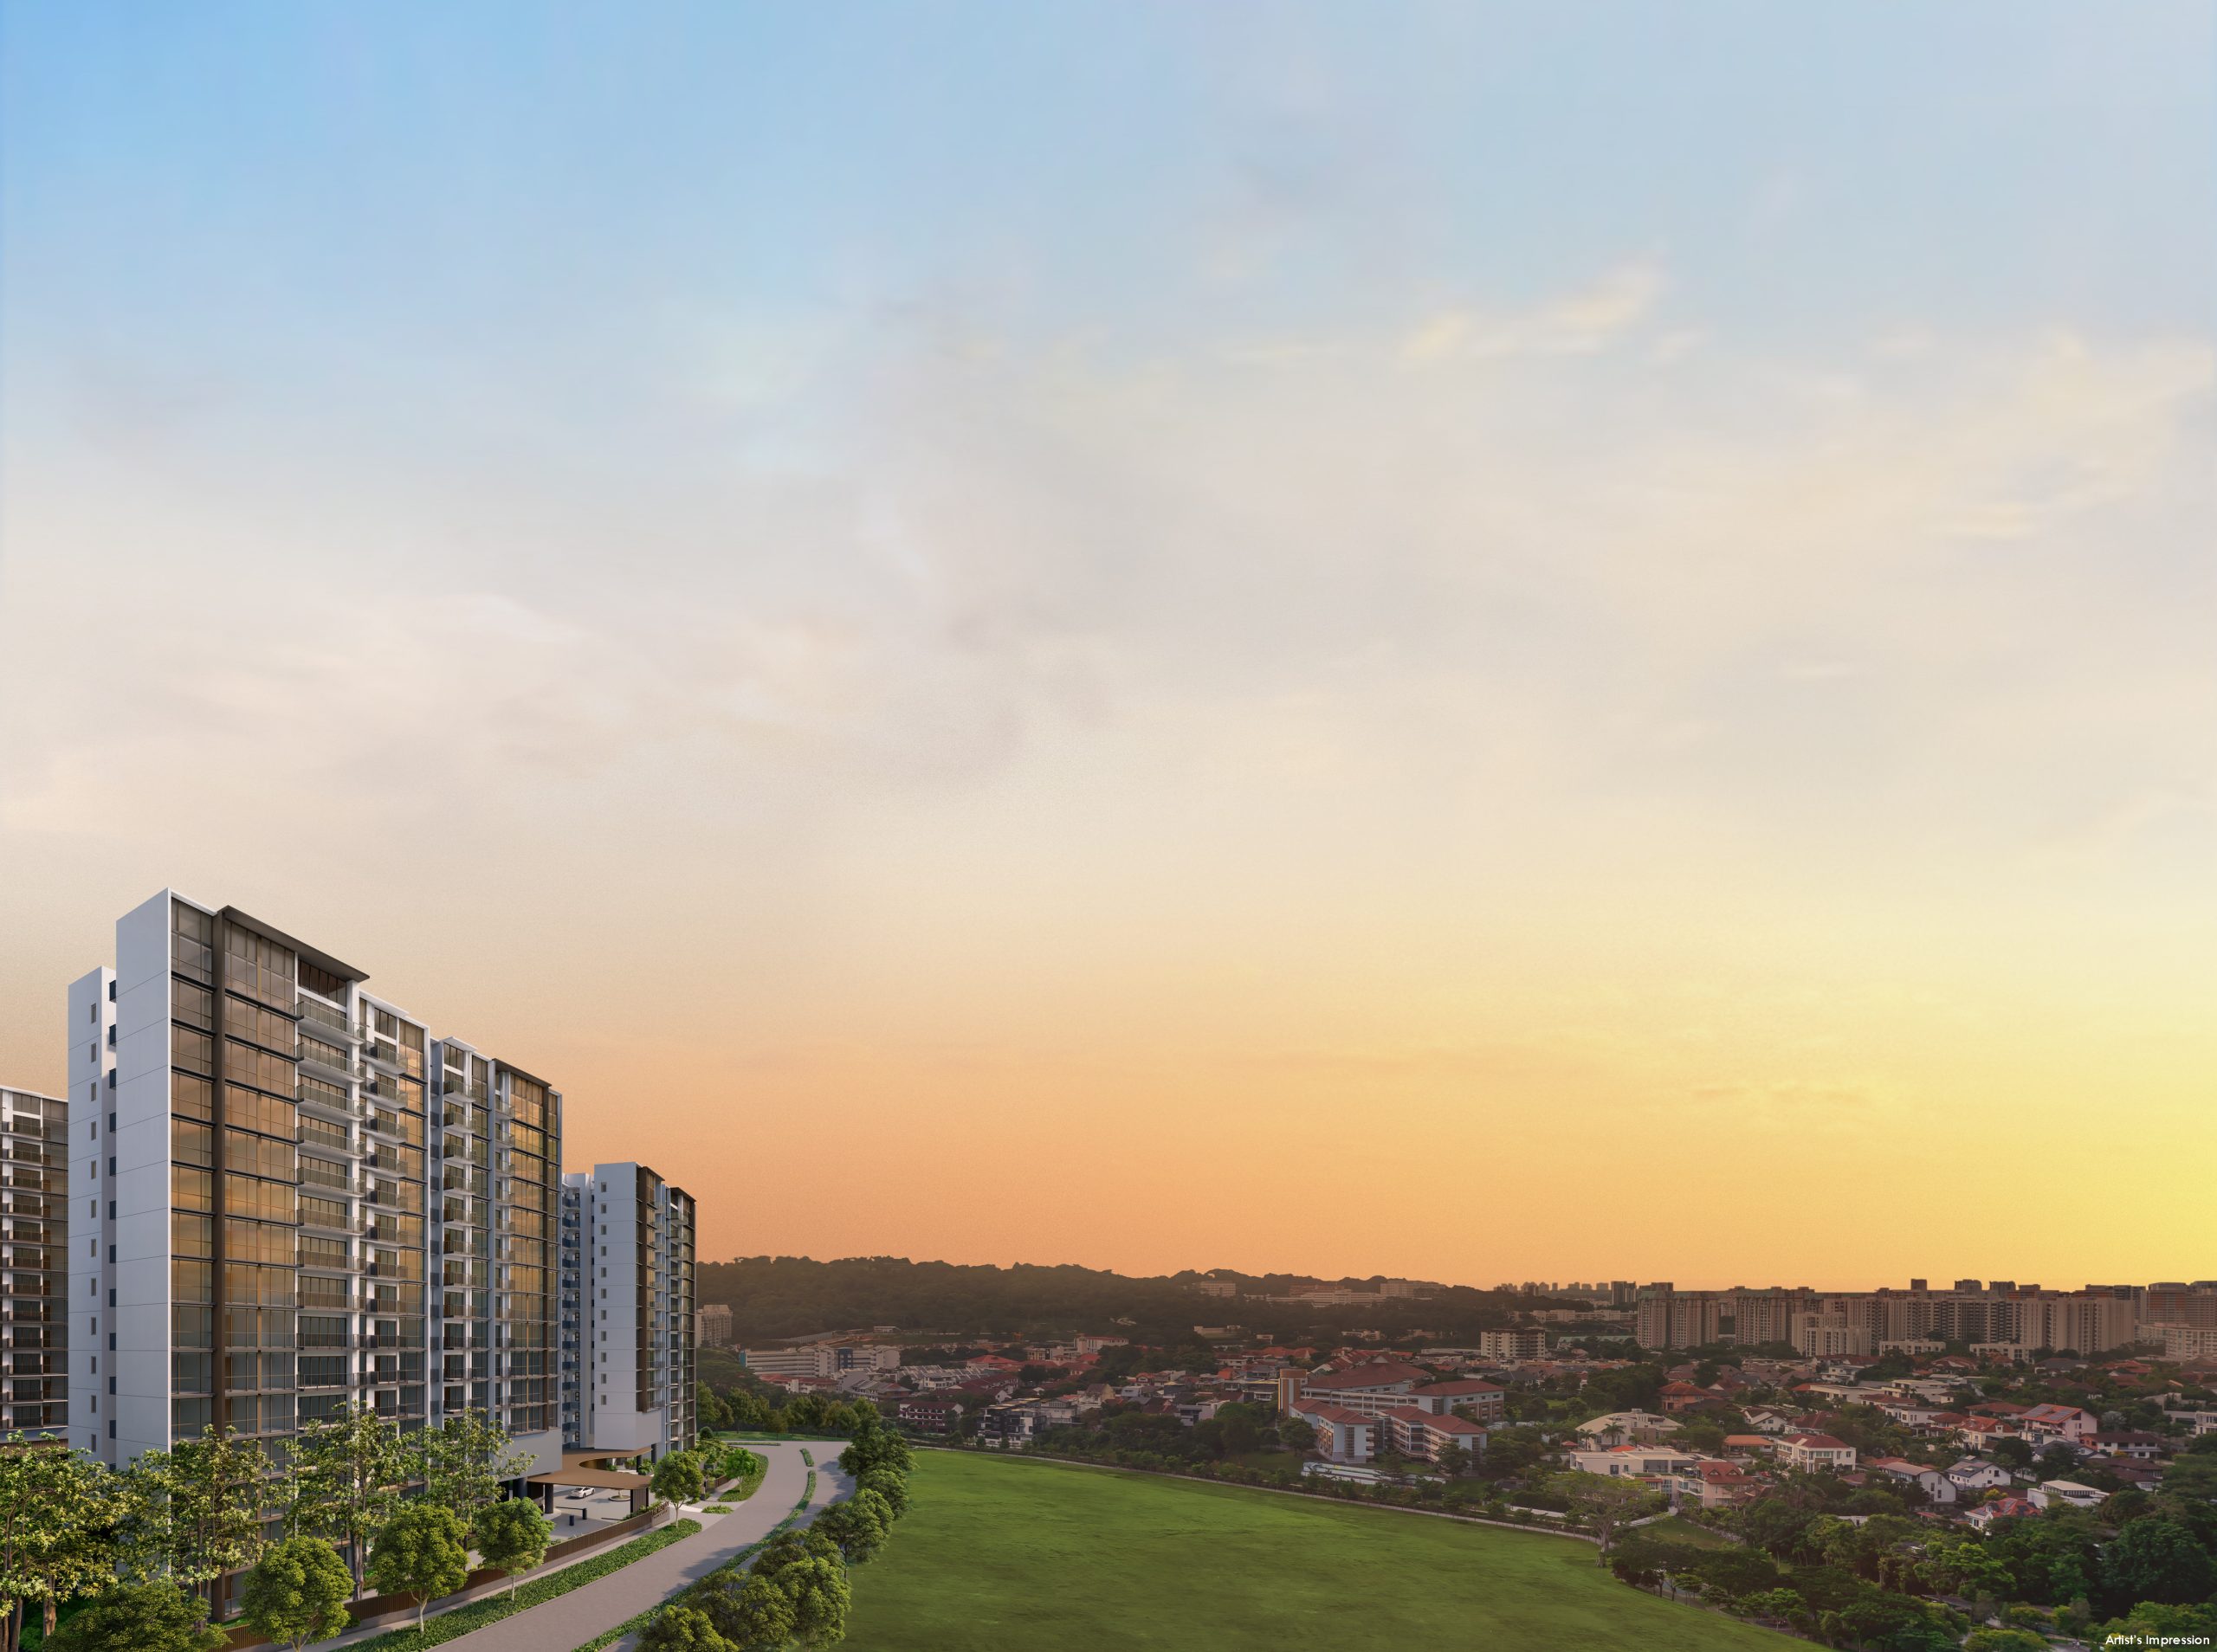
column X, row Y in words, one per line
column 2151, row 1623
column 298, row 1591
column 817, row 1587
column 858, row 1525
column 424, row 1550
column 756, row 1616
column 152, row 1616
column 2011, row 1453
column 2193, row 1474
column 347, row 1472
column 58, row 1514
column 2158, row 1560
column 1297, row 1434
column 677, row 1478
column 514, row 1535
column 1606, row 1502
column 682, row 1628
column 196, row 1510
column 875, row 1447
column 464, row 1462
column 1452, row 1461
column 887, row 1483
column 2005, row 1640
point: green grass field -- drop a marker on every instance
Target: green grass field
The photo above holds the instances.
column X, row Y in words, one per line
column 1000, row 1555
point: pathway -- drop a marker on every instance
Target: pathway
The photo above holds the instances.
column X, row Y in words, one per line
column 572, row 1619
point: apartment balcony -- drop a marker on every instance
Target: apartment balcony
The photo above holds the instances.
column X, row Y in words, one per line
column 328, row 1107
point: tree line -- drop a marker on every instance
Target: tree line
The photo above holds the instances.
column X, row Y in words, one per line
column 796, row 1588
column 773, row 1298
column 352, row 1503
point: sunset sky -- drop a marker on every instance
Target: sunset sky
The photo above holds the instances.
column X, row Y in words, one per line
column 1477, row 641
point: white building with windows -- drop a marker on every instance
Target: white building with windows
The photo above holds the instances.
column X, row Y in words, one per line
column 628, row 1287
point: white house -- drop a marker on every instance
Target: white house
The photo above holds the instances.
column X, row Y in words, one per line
column 1936, row 1486
column 2068, row 1493
column 1974, row 1475
column 1625, row 1428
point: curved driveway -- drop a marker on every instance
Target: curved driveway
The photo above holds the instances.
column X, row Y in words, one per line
column 571, row 1620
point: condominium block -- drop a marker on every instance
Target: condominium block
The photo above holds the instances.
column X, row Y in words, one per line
column 34, row 1278
column 303, row 1199
column 627, row 1301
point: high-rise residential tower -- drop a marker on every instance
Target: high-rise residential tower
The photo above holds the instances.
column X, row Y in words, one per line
column 33, row 1280
column 302, row 1198
column 628, row 1310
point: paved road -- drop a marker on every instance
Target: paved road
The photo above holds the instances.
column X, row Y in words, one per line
column 571, row 1620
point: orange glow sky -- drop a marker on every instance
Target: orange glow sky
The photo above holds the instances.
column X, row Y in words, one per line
column 1374, row 674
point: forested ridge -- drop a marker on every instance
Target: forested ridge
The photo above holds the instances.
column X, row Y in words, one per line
column 776, row 1297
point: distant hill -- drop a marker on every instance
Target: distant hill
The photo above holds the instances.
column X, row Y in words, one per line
column 773, row 1298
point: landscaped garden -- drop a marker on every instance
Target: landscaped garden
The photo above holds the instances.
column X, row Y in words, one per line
column 1009, row 1554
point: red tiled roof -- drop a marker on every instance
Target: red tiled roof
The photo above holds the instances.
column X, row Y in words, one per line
column 1462, row 1385
column 1367, row 1376
column 1324, row 1411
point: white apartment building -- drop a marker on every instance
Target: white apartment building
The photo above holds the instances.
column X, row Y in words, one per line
column 627, row 1285
column 294, row 1198
column 34, row 1263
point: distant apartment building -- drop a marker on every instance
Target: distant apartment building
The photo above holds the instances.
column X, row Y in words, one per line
column 628, row 1281
column 2000, row 1314
column 821, row 1359
column 295, row 1199
column 712, row 1326
column 1832, row 1334
column 2172, row 1302
column 2189, row 1341
column 34, row 1262
column 1512, row 1344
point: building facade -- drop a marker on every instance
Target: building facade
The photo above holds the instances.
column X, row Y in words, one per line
column 34, row 1262
column 303, row 1200
column 628, row 1287
column 2000, row 1315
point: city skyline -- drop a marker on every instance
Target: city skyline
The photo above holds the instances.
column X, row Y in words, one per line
column 1206, row 645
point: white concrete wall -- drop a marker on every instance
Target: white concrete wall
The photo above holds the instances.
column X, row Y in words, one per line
column 140, row 1277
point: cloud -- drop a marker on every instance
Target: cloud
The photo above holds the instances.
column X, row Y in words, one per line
column 1578, row 323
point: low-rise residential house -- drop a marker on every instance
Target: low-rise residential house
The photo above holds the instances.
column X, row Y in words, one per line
column 1343, row 1435
column 2002, row 1508
column 1910, row 1413
column 2068, row 1493
column 1748, row 1445
column 1974, row 1475
column 2135, row 1443
column 1626, row 1428
column 1681, row 1398
column 929, row 1416
column 2059, row 1422
column 1764, row 1419
column 1810, row 1452
column 1008, row 1421
column 1979, row 1433
column 1713, row 1485
column 1633, row 1461
column 1936, row 1485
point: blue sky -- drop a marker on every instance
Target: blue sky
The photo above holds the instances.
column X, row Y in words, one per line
column 1652, row 560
